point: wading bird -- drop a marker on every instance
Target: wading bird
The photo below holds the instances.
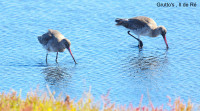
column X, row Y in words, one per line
column 143, row 26
column 54, row 41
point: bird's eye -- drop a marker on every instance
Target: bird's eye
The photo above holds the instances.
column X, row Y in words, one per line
column 163, row 32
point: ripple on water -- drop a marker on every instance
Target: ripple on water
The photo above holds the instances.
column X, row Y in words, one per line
column 108, row 58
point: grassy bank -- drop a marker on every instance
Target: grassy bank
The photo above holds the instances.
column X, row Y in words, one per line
column 46, row 102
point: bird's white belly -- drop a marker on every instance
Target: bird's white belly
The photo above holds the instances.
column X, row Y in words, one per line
column 141, row 32
column 54, row 46
column 49, row 48
column 53, row 49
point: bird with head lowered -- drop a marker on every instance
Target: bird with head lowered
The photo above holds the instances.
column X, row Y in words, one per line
column 54, row 41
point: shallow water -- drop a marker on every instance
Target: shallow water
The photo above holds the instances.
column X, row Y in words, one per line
column 108, row 58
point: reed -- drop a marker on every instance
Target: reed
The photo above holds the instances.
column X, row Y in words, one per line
column 47, row 102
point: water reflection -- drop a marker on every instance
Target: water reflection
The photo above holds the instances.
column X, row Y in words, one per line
column 150, row 63
column 145, row 70
column 55, row 75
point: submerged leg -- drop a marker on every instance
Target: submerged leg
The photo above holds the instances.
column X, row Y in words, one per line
column 140, row 45
column 56, row 57
column 46, row 57
column 139, row 41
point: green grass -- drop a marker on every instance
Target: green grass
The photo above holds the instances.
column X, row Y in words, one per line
column 46, row 102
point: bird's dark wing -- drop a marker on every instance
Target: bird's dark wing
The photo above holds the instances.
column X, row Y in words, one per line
column 45, row 38
column 135, row 24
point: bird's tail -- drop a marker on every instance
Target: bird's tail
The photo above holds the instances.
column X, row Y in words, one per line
column 44, row 38
column 40, row 39
column 120, row 21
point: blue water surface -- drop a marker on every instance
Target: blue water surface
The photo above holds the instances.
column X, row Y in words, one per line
column 108, row 58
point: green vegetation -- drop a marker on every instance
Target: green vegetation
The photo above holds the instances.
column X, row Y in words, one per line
column 46, row 102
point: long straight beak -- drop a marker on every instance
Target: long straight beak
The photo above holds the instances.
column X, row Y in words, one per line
column 164, row 37
column 71, row 54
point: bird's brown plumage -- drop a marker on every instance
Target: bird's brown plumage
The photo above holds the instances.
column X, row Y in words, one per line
column 54, row 41
column 143, row 26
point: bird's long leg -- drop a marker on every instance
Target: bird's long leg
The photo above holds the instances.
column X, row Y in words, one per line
column 56, row 57
column 46, row 57
column 139, row 44
column 138, row 39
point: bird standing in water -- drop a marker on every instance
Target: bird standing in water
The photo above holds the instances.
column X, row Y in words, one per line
column 143, row 26
column 54, row 41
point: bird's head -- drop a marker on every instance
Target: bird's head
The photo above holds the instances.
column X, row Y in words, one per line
column 67, row 44
column 163, row 32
